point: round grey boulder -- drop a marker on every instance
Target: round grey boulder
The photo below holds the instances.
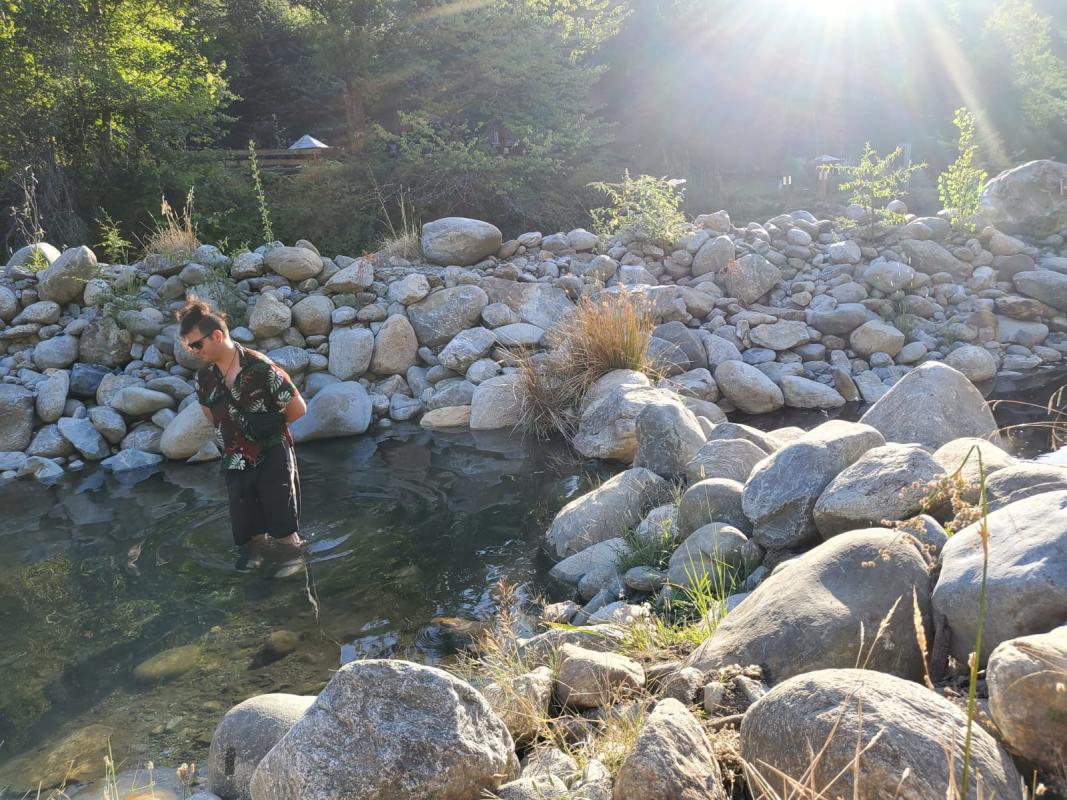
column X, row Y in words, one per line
column 392, row 730
column 247, row 733
column 901, row 728
column 459, row 240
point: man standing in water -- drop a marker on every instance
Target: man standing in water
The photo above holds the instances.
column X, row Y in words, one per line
column 251, row 401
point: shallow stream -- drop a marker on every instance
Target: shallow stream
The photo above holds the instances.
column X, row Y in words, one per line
column 126, row 617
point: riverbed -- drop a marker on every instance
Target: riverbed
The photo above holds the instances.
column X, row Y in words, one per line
column 129, row 619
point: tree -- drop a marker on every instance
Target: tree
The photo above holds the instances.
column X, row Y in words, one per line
column 90, row 90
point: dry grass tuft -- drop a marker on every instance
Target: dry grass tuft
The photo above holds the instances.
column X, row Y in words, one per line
column 175, row 234
column 603, row 334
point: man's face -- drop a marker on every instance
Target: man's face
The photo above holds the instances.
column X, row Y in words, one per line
column 207, row 347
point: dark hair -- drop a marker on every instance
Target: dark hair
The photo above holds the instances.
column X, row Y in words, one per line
column 198, row 314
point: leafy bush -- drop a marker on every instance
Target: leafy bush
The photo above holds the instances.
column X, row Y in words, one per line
column 875, row 181
column 960, row 185
column 645, row 207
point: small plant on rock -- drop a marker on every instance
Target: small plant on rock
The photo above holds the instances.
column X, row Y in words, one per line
column 27, row 218
column 645, row 207
column 960, row 185
column 112, row 243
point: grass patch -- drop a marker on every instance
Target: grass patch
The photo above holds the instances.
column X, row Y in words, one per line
column 653, row 549
column 600, row 335
column 174, row 237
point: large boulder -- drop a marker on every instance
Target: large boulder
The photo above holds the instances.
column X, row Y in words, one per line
column 26, row 255
column 104, row 342
column 929, row 257
column 340, row 409
column 781, row 335
column 1026, row 588
column 716, row 551
column 52, row 395
column 85, row 438
column 1045, row 285
column 496, row 404
column 730, row 459
column 270, row 316
column 713, row 256
column 876, row 336
column 608, row 426
column 246, row 733
column 396, row 348
column 616, row 505
column 522, row 702
column 668, row 438
column 312, row 316
column 805, row 393
column 186, row 433
column 1018, row 481
column 825, row 608
column 712, row 500
column 64, row 281
column 671, row 759
column 910, row 740
column 59, row 352
column 540, row 304
column 16, row 417
column 443, row 314
column 749, row 278
column 931, row 405
column 1026, row 696
column 748, row 388
column 1026, row 199
column 970, row 457
column 977, row 363
column 892, row 482
column 351, row 351
column 589, row 679
column 293, row 263
column 392, row 730
column 781, row 493
column 459, row 241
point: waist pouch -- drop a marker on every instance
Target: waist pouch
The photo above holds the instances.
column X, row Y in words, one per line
column 263, row 425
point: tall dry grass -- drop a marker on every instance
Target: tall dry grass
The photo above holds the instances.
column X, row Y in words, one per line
column 603, row 334
column 174, row 236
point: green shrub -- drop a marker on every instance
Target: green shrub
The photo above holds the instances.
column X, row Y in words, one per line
column 874, row 181
column 960, row 185
column 646, row 207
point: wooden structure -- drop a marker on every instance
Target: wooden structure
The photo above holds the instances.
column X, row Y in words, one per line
column 280, row 160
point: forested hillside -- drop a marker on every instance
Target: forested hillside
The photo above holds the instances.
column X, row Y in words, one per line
column 499, row 110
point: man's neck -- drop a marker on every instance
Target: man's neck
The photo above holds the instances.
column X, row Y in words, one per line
column 227, row 358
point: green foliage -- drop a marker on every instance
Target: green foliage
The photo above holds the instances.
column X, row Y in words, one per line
column 960, row 185
column 112, row 243
column 651, row 550
column 874, row 181
column 645, row 207
column 261, row 197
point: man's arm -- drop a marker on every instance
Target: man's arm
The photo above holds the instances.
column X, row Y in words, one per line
column 296, row 409
column 208, row 414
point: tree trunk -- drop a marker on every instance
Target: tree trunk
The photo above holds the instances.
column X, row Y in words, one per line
column 356, row 112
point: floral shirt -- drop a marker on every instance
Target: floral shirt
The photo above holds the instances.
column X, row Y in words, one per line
column 260, row 385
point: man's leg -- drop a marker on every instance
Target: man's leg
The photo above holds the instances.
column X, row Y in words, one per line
column 279, row 495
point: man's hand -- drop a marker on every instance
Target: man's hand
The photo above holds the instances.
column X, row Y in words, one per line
column 208, row 414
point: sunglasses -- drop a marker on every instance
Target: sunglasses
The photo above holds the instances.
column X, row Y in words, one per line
column 199, row 343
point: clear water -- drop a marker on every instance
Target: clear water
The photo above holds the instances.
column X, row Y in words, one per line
column 100, row 574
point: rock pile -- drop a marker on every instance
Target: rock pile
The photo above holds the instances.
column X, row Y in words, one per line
column 793, row 312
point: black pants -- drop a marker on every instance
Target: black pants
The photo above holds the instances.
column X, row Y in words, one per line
column 265, row 498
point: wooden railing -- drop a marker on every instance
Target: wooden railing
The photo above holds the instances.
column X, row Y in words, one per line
column 280, row 160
